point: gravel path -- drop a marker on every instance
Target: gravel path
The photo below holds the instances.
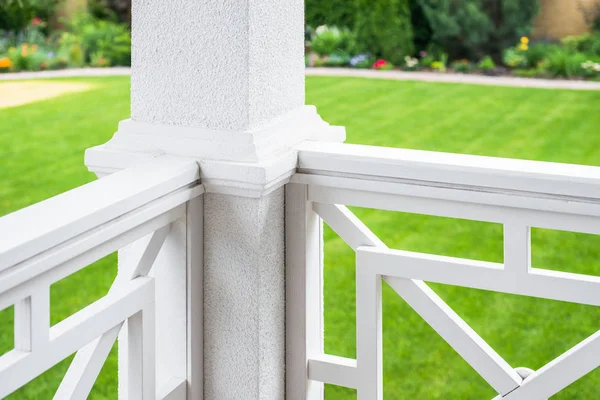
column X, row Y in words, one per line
column 361, row 73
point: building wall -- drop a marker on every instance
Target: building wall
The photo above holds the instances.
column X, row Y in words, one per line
column 65, row 11
column 561, row 18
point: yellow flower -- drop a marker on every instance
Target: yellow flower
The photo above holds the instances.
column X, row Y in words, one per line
column 5, row 62
column 525, row 40
column 34, row 48
column 11, row 49
column 523, row 47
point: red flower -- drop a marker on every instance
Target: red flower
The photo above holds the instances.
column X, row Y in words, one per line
column 36, row 21
column 379, row 64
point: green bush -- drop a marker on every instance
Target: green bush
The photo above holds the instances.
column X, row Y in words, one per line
column 383, row 27
column 537, row 53
column 563, row 63
column 475, row 28
column 586, row 43
column 16, row 15
column 330, row 12
column 463, row 66
column 327, row 40
column 95, row 36
column 486, row 64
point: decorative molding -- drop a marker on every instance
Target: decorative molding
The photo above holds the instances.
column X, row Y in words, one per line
column 250, row 145
column 249, row 163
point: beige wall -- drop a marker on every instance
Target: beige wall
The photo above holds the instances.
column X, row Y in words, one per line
column 66, row 9
column 560, row 18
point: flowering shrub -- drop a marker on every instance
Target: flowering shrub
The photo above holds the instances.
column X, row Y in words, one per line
column 591, row 68
column 327, row 40
column 382, row 65
column 463, row 66
column 5, row 64
column 361, row 61
column 411, row 63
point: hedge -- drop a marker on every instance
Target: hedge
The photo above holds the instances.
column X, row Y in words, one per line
column 384, row 28
column 340, row 13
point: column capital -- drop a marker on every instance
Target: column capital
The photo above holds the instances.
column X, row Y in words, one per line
column 249, row 163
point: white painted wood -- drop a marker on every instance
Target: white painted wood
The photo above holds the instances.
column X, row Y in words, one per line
column 150, row 254
column 428, row 304
column 304, row 293
column 561, row 372
column 70, row 214
column 458, row 334
column 86, row 366
column 517, row 249
column 88, row 361
column 170, row 274
column 333, row 370
column 553, row 214
column 12, row 281
column 174, row 389
column 369, row 346
column 71, row 334
column 32, row 320
column 347, row 225
column 195, row 300
column 453, row 169
column 99, row 242
column 546, row 284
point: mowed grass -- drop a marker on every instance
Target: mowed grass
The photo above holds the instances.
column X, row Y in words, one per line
column 41, row 155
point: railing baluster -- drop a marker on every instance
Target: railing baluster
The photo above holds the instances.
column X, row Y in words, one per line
column 368, row 334
column 517, row 249
column 32, row 320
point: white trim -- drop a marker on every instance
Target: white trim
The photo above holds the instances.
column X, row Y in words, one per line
column 250, row 145
column 453, row 171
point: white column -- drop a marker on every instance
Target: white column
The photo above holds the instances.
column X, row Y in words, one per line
column 222, row 81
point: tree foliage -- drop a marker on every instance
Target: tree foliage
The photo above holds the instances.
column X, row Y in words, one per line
column 15, row 15
column 474, row 28
column 384, row 28
column 340, row 13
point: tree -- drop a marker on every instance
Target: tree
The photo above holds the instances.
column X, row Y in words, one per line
column 475, row 28
column 383, row 27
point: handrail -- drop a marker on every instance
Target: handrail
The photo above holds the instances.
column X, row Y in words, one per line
column 456, row 171
column 42, row 226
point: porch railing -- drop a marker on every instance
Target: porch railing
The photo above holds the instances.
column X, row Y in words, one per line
column 517, row 194
column 138, row 211
column 51, row 240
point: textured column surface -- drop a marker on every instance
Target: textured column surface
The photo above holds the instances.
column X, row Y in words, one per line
column 217, row 64
column 244, row 298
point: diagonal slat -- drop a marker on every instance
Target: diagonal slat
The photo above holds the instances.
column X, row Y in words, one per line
column 560, row 372
column 88, row 361
column 457, row 333
column 489, row 364
column 85, row 367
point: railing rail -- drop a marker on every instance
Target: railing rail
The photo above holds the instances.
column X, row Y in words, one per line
column 517, row 194
column 51, row 240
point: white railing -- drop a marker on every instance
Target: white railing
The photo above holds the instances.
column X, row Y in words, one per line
column 51, row 240
column 517, row 194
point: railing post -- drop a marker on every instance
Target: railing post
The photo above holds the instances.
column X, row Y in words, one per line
column 223, row 83
column 304, row 292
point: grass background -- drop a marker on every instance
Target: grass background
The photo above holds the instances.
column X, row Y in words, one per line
column 41, row 153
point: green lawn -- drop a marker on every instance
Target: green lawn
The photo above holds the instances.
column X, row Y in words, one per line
column 41, row 154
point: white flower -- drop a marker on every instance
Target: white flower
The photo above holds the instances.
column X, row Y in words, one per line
column 591, row 66
column 410, row 62
column 321, row 29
